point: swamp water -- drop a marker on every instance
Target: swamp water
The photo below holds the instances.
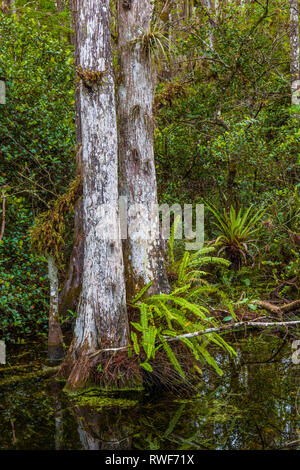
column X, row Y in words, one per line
column 255, row 405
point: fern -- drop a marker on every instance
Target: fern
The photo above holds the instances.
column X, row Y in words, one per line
column 180, row 312
column 171, row 355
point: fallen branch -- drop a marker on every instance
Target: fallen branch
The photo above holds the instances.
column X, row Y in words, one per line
column 232, row 327
column 279, row 310
column 19, row 367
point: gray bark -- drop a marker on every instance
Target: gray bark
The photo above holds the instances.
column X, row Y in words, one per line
column 5, row 6
column 101, row 314
column 143, row 257
column 210, row 9
column 294, row 52
column 55, row 338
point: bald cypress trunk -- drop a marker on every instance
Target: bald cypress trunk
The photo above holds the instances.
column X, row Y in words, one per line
column 294, row 52
column 55, row 338
column 8, row 6
column 210, row 9
column 101, row 314
column 143, row 255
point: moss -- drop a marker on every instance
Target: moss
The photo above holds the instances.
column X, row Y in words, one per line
column 48, row 232
column 106, row 401
column 41, row 373
column 90, row 77
column 111, row 391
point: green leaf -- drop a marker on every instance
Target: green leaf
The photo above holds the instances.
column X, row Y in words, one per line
column 147, row 366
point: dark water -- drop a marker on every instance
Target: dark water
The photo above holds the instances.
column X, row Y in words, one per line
column 255, row 405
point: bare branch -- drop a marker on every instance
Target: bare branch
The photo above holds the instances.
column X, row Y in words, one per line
column 3, row 216
column 232, row 327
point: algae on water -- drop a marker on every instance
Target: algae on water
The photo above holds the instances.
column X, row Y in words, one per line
column 101, row 402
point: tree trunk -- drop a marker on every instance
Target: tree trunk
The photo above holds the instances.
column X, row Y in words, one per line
column 60, row 6
column 71, row 290
column 209, row 7
column 101, row 314
column 5, row 6
column 294, row 41
column 55, row 338
column 143, row 255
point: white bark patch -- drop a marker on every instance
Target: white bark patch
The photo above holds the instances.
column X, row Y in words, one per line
column 53, row 280
column 55, row 338
column 102, row 317
column 144, row 261
column 294, row 51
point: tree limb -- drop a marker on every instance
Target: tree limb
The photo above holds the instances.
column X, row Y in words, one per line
column 290, row 307
column 211, row 330
column 232, row 327
column 3, row 216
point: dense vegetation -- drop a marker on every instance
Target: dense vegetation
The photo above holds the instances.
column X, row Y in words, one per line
column 226, row 135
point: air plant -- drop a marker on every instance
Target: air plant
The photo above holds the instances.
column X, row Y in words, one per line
column 237, row 230
column 154, row 43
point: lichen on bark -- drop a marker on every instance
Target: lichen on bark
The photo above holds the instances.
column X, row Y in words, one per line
column 144, row 262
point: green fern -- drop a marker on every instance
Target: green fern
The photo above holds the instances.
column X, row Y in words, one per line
column 166, row 316
column 171, row 355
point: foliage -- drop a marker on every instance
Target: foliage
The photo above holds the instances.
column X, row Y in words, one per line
column 37, row 121
column 232, row 134
column 36, row 154
column 237, row 229
column 23, row 283
column 164, row 316
column 154, row 43
column 48, row 232
column 225, row 131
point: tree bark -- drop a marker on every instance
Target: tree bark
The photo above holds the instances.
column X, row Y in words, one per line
column 55, row 338
column 143, row 255
column 70, row 293
column 101, row 313
column 60, row 6
column 294, row 52
column 210, row 10
column 5, row 6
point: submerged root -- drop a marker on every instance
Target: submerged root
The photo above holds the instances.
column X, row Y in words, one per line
column 108, row 370
column 115, row 370
column 281, row 309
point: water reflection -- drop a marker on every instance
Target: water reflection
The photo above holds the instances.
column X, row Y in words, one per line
column 253, row 406
column 102, row 431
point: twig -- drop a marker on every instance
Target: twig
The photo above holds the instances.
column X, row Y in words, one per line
column 104, row 350
column 14, row 439
column 3, row 216
column 211, row 330
column 232, row 327
column 279, row 309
